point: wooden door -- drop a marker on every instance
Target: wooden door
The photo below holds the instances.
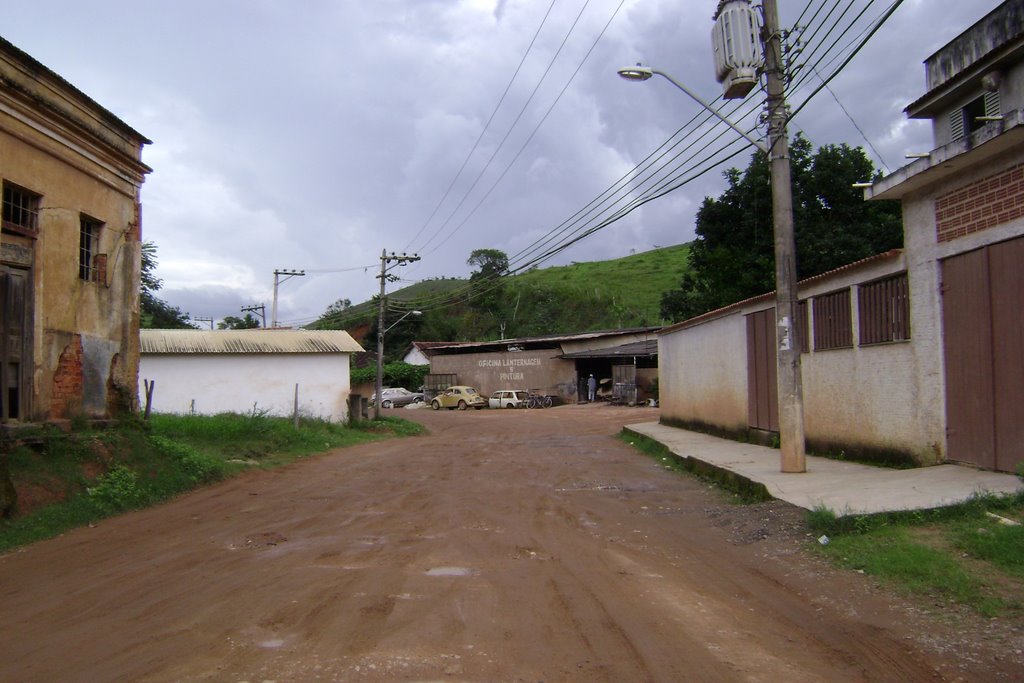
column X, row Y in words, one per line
column 15, row 331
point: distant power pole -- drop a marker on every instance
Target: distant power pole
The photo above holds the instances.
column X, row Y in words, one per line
column 288, row 274
column 200, row 319
column 258, row 308
column 386, row 264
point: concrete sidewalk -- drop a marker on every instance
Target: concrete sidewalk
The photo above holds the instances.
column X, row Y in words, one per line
column 842, row 487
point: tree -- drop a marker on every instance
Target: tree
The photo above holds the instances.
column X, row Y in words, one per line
column 337, row 316
column 486, row 287
column 733, row 257
column 155, row 312
column 230, row 322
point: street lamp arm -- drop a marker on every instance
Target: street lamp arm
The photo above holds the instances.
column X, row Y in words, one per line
column 642, row 73
column 388, row 328
column 757, row 143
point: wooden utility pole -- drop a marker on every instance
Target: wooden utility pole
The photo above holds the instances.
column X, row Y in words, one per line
column 790, row 385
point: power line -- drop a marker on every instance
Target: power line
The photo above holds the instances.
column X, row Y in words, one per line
column 662, row 179
column 501, row 144
column 487, row 126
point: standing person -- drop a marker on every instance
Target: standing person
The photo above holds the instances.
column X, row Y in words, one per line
column 591, row 387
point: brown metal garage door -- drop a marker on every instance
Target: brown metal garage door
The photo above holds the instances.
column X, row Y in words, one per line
column 762, row 385
column 983, row 325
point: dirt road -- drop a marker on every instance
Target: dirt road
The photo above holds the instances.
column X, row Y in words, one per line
column 506, row 546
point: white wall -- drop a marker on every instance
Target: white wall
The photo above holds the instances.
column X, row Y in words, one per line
column 881, row 396
column 235, row 382
column 416, row 357
column 702, row 373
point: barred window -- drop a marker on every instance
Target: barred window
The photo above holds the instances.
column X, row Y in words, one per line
column 88, row 246
column 833, row 323
column 20, row 210
column 884, row 308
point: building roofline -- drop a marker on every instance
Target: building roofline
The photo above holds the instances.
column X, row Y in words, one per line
column 105, row 114
column 551, row 339
column 257, row 341
column 891, row 255
column 1005, row 16
column 995, row 138
column 544, row 339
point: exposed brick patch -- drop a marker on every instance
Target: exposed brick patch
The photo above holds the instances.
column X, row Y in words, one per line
column 983, row 204
column 68, row 380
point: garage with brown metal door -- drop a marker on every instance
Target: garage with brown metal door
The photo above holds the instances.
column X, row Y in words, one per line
column 983, row 325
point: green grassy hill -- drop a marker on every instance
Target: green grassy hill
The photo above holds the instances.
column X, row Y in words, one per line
column 634, row 283
column 580, row 297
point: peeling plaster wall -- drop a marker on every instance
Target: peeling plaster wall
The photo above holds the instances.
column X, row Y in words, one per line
column 81, row 161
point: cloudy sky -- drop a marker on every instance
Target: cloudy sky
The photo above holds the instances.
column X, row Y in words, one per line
column 312, row 134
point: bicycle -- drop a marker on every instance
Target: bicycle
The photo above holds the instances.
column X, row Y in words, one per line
column 537, row 400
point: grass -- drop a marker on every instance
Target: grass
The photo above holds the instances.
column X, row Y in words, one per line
column 623, row 292
column 66, row 480
column 635, row 282
column 741, row 491
column 959, row 554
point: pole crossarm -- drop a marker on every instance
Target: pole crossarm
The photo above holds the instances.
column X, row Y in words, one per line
column 288, row 274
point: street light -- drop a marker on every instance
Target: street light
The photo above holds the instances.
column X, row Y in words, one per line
column 401, row 319
column 734, row 42
column 643, row 73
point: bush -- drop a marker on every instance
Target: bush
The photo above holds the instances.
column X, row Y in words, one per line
column 198, row 467
column 117, row 490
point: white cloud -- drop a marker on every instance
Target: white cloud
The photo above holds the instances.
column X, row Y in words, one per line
column 315, row 138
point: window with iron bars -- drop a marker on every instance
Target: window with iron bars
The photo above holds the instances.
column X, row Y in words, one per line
column 88, row 246
column 884, row 308
column 833, row 322
column 20, row 210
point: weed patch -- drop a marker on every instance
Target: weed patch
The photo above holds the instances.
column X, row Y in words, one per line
column 65, row 480
column 958, row 554
column 743, row 490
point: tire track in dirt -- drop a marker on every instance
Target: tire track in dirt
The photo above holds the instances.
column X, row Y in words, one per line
column 504, row 546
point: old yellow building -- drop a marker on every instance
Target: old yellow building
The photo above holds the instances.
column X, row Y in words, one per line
column 69, row 248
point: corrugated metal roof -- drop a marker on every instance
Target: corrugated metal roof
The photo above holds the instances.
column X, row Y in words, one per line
column 247, row 341
column 647, row 349
column 549, row 338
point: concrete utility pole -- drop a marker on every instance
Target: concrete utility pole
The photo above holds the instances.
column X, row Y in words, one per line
column 790, row 385
column 288, row 274
column 258, row 308
column 386, row 263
